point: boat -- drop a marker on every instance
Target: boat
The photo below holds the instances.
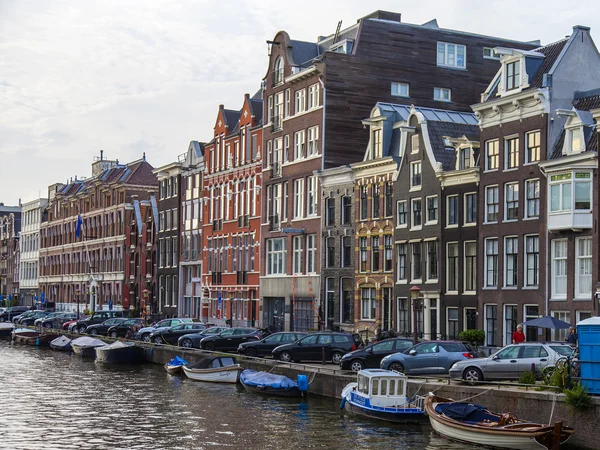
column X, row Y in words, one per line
column 272, row 384
column 61, row 343
column 174, row 366
column 220, row 369
column 475, row 424
column 6, row 328
column 381, row 394
column 41, row 340
column 85, row 346
column 22, row 335
column 120, row 353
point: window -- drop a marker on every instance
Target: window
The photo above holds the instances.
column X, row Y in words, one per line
column 298, row 198
column 491, row 262
column 559, row 269
column 401, row 212
column 470, row 266
column 416, row 212
column 300, row 101
column 583, row 192
column 363, row 203
column 489, row 53
column 417, row 269
column 400, row 89
column 311, row 253
column 375, row 254
column 311, row 196
column 452, row 267
column 491, row 155
column 511, row 152
column 470, row 208
column 451, row 55
column 432, row 209
column 377, row 149
column 574, row 140
column 388, row 249
column 299, row 144
column 287, row 103
column 330, row 207
column 531, row 312
column 511, row 201
column 330, row 253
column 401, row 262
column 346, row 210
column 275, row 256
column 347, row 311
column 532, row 191
column 313, row 96
column 389, row 197
column 442, row 94
column 375, row 200
column 432, row 260
column 532, row 140
column 491, row 325
column 464, row 160
column 560, row 335
column 513, row 75
column 363, row 254
column 368, row 303
column 510, row 323
column 313, row 141
column 414, row 143
column 452, row 314
column 532, row 260
column 511, row 261
column 452, row 213
column 583, row 268
column 346, row 251
column 491, row 204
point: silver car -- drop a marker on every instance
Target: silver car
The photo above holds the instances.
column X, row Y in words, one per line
column 510, row 362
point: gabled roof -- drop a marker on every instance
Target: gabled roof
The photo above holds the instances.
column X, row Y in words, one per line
column 232, row 118
column 256, row 108
column 438, row 131
column 303, row 52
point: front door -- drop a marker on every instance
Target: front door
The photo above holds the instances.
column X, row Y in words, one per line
column 387, row 310
column 471, row 315
column 274, row 313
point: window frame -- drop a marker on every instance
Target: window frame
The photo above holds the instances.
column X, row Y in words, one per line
column 452, row 266
column 413, row 202
column 486, row 268
column 511, row 262
column 528, row 147
column 455, row 200
column 397, row 92
column 554, row 295
column 472, row 281
column 512, row 200
column 416, row 175
column 511, row 152
column 527, row 261
column 429, row 220
column 438, row 94
column 473, row 219
column 492, row 144
column 535, row 200
column 401, row 212
column 487, row 204
column 579, row 294
column 446, row 63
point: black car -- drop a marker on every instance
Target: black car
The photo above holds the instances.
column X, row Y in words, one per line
column 102, row 328
column 171, row 335
column 25, row 315
column 230, row 339
column 125, row 328
column 311, row 347
column 31, row 318
column 12, row 312
column 193, row 340
column 97, row 317
column 265, row 346
column 57, row 321
column 370, row 357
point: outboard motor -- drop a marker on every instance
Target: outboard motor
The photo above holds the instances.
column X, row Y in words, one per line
column 303, row 383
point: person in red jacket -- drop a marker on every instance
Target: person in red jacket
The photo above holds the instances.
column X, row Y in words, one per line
column 518, row 336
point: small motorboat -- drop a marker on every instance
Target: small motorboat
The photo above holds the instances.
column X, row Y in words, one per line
column 120, row 353
column 381, row 394
column 62, row 343
column 42, row 340
column 6, row 328
column 22, row 335
column 174, row 366
column 474, row 424
column 271, row 384
column 220, row 369
column 86, row 346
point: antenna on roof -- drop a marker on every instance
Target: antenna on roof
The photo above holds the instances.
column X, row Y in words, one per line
column 337, row 32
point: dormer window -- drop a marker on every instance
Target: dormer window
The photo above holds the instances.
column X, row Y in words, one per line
column 342, row 47
column 465, row 160
column 513, row 74
column 575, row 140
column 376, row 144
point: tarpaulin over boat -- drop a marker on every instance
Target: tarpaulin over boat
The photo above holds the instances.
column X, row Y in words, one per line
column 264, row 379
column 60, row 342
column 177, row 361
column 86, row 341
column 465, row 412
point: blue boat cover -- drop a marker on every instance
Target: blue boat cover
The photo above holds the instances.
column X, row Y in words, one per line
column 465, row 412
column 264, row 379
column 177, row 361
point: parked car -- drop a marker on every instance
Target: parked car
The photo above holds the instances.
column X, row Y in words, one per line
column 38, row 322
column 428, row 357
column 171, row 335
column 12, row 312
column 144, row 333
column 370, row 357
column 193, row 340
column 23, row 315
column 58, row 321
column 70, row 324
column 265, row 346
column 102, row 328
column 123, row 328
column 230, row 339
column 97, row 317
column 310, row 348
column 31, row 318
column 510, row 362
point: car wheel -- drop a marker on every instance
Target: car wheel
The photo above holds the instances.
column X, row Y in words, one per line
column 93, row 332
column 81, row 329
column 187, row 343
column 158, row 340
column 251, row 352
column 210, row 346
column 285, row 357
column 146, row 338
column 114, row 334
column 336, row 358
column 356, row 365
column 397, row 367
column 472, row 374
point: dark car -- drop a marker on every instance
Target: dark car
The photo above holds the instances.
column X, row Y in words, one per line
column 58, row 321
column 144, row 333
column 428, row 357
column 265, row 346
column 230, row 339
column 370, row 357
column 171, row 335
column 52, row 315
column 25, row 315
column 311, row 347
column 97, row 317
column 102, row 328
column 12, row 312
column 193, row 340
column 31, row 318
column 125, row 328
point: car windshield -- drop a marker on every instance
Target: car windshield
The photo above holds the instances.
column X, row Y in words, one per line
column 187, row 320
column 453, row 347
column 563, row 350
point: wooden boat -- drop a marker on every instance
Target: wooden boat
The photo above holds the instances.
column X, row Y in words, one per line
column 42, row 340
column 62, row 343
column 22, row 335
column 174, row 366
column 220, row 369
column 120, row 353
column 86, row 346
column 6, row 328
column 381, row 394
column 474, row 424
column 271, row 384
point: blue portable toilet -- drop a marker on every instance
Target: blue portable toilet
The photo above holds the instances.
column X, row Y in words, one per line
column 588, row 337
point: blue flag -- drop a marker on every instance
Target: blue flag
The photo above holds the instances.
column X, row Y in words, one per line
column 78, row 226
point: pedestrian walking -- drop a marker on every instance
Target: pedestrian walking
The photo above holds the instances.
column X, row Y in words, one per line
column 572, row 336
column 518, row 336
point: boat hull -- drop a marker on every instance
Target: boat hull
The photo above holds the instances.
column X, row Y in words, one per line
column 173, row 370
column 125, row 355
column 229, row 374
column 281, row 392
column 84, row 352
column 396, row 417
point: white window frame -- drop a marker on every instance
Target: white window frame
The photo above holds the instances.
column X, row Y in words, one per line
column 430, row 221
column 413, row 166
column 487, row 255
column 527, row 147
column 526, row 263
column 300, row 101
column 554, row 268
column 428, row 275
column 448, row 224
column 491, row 54
column 507, row 141
column 372, row 299
column 579, row 259
column 496, row 144
column 407, row 213
column 313, row 96
column 312, row 144
column 441, row 94
column 515, row 191
column 445, row 61
column 465, row 206
column 528, row 199
column 457, row 273
column 465, row 272
column 514, row 243
column 412, row 221
column 274, row 257
column 400, row 89
column 560, row 335
column 298, row 252
column 486, row 215
column 311, row 253
column 299, row 198
column 453, row 308
column 311, row 196
column 406, row 248
column 299, row 145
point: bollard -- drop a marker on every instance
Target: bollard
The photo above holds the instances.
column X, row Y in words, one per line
column 323, row 355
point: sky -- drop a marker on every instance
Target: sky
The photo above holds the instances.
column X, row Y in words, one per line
column 129, row 76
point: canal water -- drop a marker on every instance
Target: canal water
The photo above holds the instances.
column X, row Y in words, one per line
column 53, row 400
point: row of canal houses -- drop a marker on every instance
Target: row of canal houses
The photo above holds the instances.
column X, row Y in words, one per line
column 390, row 176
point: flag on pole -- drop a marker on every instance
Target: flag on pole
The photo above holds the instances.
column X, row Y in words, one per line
column 78, row 226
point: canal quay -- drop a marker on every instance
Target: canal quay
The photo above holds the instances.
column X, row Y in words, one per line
column 60, row 401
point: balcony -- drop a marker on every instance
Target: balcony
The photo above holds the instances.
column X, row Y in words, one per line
column 217, row 277
column 276, row 169
column 570, row 220
column 242, row 277
column 274, row 223
column 277, row 123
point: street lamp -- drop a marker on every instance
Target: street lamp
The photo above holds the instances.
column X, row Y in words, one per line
column 415, row 295
column 77, row 294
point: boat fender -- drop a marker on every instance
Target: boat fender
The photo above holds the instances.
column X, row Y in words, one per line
column 342, row 403
column 302, row 383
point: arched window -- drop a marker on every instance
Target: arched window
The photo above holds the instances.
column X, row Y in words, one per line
column 278, row 72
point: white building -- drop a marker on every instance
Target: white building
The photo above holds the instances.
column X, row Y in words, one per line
column 31, row 218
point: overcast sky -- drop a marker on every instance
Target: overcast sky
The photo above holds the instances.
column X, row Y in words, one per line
column 128, row 77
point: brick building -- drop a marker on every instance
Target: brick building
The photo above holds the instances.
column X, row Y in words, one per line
column 34, row 213
column 10, row 227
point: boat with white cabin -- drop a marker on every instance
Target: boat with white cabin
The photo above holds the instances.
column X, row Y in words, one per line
column 220, row 369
